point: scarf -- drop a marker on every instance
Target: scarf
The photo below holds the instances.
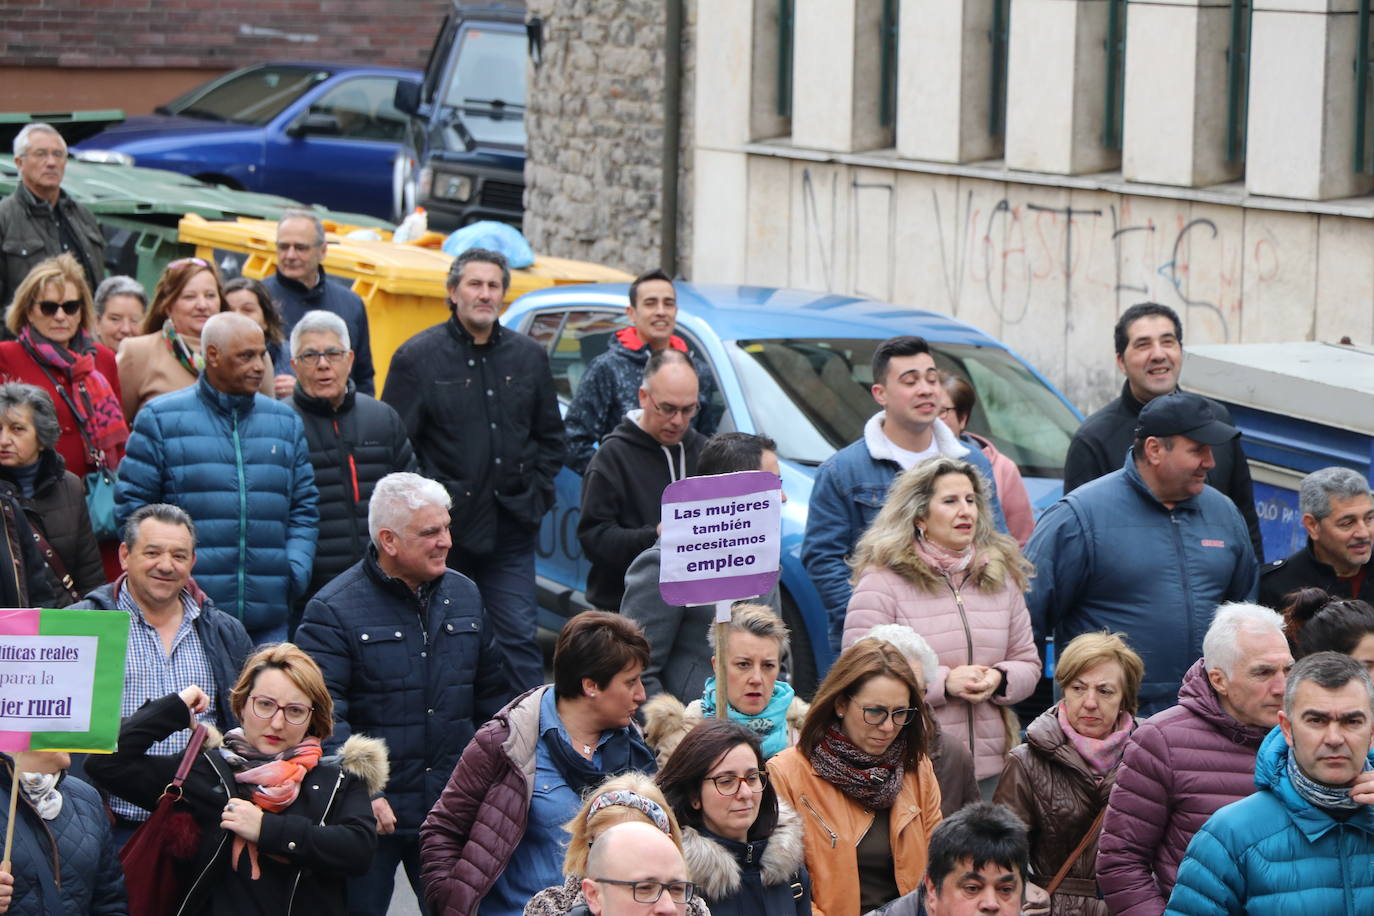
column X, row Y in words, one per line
column 40, row 789
column 622, row 752
column 275, row 778
column 871, row 781
column 770, row 725
column 190, row 358
column 1100, row 754
column 1333, row 798
column 99, row 415
column 942, row 560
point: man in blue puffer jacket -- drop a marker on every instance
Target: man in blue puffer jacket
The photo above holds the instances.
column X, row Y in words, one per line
column 1303, row 843
column 238, row 463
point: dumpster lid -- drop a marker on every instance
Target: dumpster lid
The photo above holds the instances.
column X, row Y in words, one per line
column 74, row 126
column 1325, row 383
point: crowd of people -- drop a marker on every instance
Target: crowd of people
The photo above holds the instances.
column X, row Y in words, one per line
column 342, row 589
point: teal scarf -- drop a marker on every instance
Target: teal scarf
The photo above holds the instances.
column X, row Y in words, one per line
column 770, row 725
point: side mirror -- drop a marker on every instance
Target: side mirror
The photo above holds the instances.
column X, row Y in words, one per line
column 315, row 122
column 407, row 97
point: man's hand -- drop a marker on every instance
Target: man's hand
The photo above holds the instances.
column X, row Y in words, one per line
column 6, row 890
column 386, row 818
column 284, row 385
column 1362, row 790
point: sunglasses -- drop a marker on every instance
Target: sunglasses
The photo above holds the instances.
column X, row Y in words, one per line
column 49, row 308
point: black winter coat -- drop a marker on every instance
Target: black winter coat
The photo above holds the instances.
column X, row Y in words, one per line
column 764, row 877
column 329, row 294
column 350, row 449
column 67, row 866
column 484, row 422
column 306, row 853
column 421, row 674
column 1304, row 570
column 57, row 510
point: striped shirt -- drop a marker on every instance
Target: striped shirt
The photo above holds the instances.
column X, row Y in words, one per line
column 151, row 673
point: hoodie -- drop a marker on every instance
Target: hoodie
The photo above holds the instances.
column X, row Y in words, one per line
column 621, row 495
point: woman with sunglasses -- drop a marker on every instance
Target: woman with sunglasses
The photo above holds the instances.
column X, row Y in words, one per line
column 743, row 847
column 281, row 826
column 933, row 561
column 861, row 780
column 166, row 355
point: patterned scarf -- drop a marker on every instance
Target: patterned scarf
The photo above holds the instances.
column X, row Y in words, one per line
column 770, row 725
column 190, row 358
column 1100, row 754
column 871, row 781
column 99, row 413
column 41, row 791
column 942, row 560
column 1333, row 798
column 275, row 778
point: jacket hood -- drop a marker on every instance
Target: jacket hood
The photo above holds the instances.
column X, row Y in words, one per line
column 1271, row 774
column 714, row 863
column 881, row 449
column 521, row 716
column 631, row 433
column 1198, row 697
column 628, row 344
column 367, row 759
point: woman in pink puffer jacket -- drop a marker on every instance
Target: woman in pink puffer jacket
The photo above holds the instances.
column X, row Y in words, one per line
column 934, row 562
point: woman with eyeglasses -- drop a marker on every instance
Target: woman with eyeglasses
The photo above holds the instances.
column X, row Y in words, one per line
column 166, row 355
column 743, row 847
column 861, row 780
column 933, row 561
column 282, row 827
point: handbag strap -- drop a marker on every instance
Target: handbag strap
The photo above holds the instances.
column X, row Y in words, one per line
column 54, row 561
column 1063, row 872
column 187, row 759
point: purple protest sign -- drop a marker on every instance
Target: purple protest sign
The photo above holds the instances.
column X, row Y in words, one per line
column 721, row 537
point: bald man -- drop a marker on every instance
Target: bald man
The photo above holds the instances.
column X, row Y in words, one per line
column 630, row 863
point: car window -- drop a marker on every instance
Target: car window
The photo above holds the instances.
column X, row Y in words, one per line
column 488, row 85
column 254, row 96
column 812, row 396
column 364, row 109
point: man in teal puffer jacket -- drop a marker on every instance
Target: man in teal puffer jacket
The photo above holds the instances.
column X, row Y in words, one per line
column 1303, row 843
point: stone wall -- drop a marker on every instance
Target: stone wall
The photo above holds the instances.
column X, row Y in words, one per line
column 595, row 133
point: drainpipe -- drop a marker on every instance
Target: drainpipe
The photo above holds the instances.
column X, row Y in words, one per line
column 672, row 135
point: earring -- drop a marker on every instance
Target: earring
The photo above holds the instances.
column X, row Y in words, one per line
column 592, row 694
column 839, row 715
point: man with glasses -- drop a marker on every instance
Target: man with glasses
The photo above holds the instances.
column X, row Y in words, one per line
column 354, row 442
column 301, row 285
column 623, row 486
column 635, row 869
column 40, row 220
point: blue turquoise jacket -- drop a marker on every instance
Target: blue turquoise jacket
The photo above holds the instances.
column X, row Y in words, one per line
column 240, row 466
column 1274, row 854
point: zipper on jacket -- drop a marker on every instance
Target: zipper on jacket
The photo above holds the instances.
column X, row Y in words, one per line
column 968, row 642
column 243, row 512
column 295, row 882
column 834, row 837
column 224, row 835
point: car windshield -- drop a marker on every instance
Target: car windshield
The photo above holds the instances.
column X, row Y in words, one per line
column 488, row 86
column 253, row 96
column 812, row 396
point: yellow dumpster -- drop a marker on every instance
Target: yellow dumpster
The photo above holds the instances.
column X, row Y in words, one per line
column 402, row 286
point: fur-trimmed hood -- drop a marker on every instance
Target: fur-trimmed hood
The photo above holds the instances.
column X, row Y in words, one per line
column 716, row 868
column 667, row 722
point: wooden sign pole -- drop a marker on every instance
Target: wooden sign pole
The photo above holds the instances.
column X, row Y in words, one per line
column 723, row 609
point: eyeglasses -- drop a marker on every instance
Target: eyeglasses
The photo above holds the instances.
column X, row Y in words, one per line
column 728, row 783
column 668, row 411
column 333, row 355
column 266, row 708
column 877, row 715
column 649, row 891
column 49, row 308
column 944, row 412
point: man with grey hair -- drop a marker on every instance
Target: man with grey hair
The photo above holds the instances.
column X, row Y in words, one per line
column 237, row 462
column 40, row 220
column 301, row 285
column 408, row 656
column 1338, row 515
column 354, row 441
column 479, row 405
column 1184, row 763
column 1304, row 842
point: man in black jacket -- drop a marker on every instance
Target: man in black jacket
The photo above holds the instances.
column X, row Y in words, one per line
column 354, row 442
column 623, row 487
column 1338, row 515
column 479, row 404
column 1149, row 352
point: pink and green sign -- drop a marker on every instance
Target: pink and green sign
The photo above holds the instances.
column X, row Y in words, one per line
column 61, row 679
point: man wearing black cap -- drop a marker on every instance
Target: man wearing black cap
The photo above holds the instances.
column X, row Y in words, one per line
column 1150, row 549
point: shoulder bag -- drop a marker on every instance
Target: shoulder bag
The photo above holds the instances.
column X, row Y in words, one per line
column 157, row 857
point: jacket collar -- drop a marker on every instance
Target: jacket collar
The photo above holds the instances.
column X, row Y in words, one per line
column 881, row 449
column 297, row 288
column 716, row 863
column 631, row 342
column 226, row 404
column 321, row 407
column 1199, row 697
column 50, row 469
column 1271, row 775
column 460, row 333
column 398, row 586
column 37, row 205
column 1137, row 482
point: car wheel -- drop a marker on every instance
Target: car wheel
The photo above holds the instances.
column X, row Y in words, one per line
column 803, row 673
column 402, row 187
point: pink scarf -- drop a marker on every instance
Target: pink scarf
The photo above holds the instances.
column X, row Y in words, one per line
column 275, row 778
column 1100, row 754
column 941, row 559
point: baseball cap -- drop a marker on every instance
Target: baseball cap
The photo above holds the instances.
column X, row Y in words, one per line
column 1183, row 414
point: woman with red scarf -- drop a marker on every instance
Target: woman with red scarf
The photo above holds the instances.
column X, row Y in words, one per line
column 861, row 780
column 282, row 827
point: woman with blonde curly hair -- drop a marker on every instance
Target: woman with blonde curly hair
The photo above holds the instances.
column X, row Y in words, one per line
column 933, row 561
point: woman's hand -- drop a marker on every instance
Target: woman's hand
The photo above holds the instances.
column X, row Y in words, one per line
column 242, row 818
column 195, row 699
column 966, row 682
column 1037, row 901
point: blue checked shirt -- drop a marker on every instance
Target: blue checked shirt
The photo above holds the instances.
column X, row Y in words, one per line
column 151, row 673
